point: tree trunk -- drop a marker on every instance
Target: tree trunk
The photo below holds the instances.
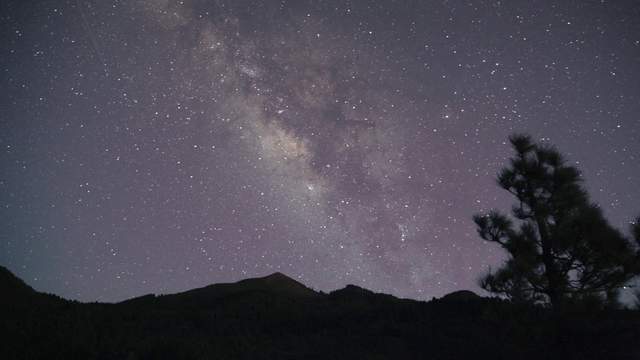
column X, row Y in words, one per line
column 551, row 271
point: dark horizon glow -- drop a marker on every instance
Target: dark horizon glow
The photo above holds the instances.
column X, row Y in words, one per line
column 154, row 146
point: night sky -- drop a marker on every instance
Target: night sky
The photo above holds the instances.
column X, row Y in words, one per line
column 153, row 146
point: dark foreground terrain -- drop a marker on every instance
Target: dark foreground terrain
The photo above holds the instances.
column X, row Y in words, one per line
column 276, row 317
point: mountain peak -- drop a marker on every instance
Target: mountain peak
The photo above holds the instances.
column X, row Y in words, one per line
column 276, row 283
column 350, row 288
column 277, row 276
column 282, row 283
column 461, row 296
column 350, row 291
column 353, row 292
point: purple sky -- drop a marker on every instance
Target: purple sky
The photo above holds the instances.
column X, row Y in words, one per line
column 153, row 146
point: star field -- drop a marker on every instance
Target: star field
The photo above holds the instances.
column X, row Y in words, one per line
column 154, row 146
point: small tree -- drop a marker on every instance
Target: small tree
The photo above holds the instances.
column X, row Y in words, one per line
column 560, row 245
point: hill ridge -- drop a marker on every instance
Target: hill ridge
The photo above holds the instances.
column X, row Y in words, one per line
column 272, row 317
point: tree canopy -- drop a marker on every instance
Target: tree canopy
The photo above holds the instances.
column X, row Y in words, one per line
column 560, row 246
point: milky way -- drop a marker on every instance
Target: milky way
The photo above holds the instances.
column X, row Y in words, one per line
column 153, row 146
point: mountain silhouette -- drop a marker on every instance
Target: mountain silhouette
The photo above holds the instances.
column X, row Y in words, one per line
column 11, row 285
column 17, row 294
column 277, row 317
column 276, row 283
column 461, row 296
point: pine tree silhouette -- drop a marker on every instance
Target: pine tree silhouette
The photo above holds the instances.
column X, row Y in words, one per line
column 560, row 246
